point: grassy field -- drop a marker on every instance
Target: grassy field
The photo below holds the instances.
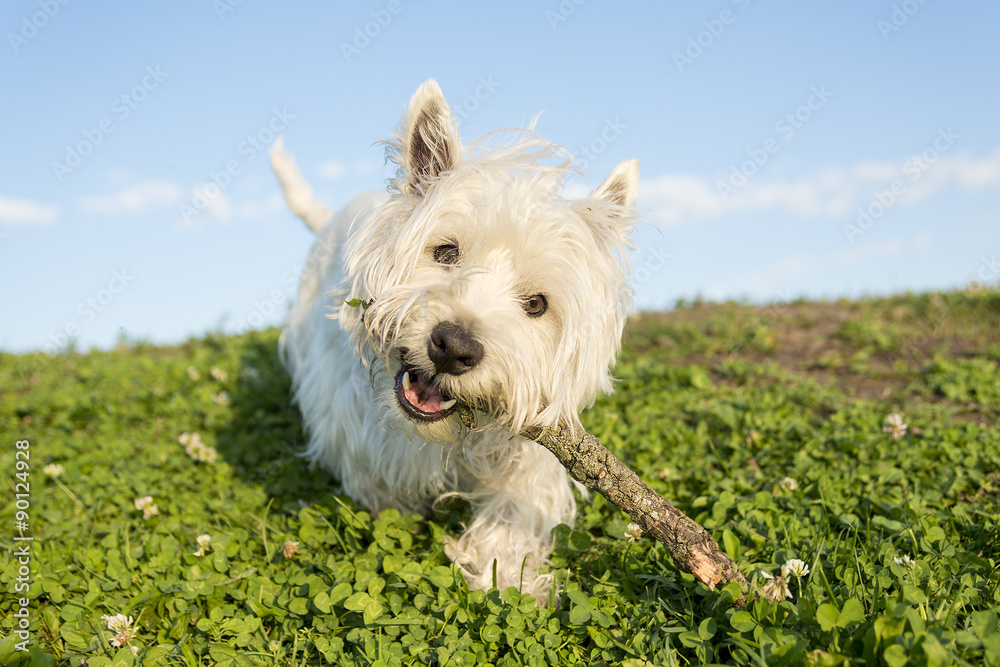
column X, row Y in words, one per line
column 766, row 425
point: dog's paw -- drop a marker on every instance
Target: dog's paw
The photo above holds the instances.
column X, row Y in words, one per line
column 483, row 573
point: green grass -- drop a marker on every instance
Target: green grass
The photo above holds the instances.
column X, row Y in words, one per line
column 763, row 424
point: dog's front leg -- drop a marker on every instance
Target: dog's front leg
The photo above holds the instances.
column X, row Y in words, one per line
column 516, row 504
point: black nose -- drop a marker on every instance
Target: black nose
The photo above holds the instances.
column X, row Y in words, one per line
column 453, row 350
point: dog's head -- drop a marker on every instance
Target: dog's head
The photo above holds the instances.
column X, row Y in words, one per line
column 481, row 284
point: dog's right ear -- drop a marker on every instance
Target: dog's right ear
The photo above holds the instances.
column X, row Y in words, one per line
column 429, row 138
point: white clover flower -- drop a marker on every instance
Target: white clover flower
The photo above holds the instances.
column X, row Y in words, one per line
column 121, row 625
column 197, row 449
column 895, row 426
column 204, row 544
column 776, row 589
column 218, row 374
column 123, row 638
column 795, row 567
column 290, row 549
column 204, row 453
column 54, row 470
column 193, row 373
column 222, row 398
column 147, row 506
column 118, row 622
column 634, row 533
column 788, row 484
column 905, row 561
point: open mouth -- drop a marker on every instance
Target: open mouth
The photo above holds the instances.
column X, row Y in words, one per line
column 420, row 397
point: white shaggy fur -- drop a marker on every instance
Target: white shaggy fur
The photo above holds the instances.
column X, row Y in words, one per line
column 478, row 238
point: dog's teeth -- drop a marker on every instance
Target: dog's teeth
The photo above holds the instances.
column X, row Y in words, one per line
column 406, row 381
column 447, row 404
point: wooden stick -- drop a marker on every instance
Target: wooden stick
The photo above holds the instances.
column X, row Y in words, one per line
column 590, row 463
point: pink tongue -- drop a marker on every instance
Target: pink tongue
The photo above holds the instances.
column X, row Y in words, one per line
column 431, row 401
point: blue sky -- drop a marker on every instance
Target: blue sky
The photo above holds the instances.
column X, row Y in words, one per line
column 787, row 149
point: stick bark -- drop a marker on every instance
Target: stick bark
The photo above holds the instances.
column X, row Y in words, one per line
column 590, row 463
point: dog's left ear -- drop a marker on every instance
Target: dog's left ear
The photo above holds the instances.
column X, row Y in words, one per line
column 621, row 187
column 430, row 139
column 609, row 209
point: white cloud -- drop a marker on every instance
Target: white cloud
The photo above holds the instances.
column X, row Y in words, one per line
column 924, row 241
column 14, row 211
column 975, row 175
column 335, row 170
column 367, row 166
column 332, row 169
column 888, row 248
column 678, row 197
column 219, row 206
column 206, row 198
column 770, row 279
column 135, row 199
column 830, row 192
column 262, row 208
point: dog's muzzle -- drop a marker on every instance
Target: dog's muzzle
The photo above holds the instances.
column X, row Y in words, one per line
column 454, row 351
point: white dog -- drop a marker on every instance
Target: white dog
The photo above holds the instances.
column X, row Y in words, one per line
column 472, row 281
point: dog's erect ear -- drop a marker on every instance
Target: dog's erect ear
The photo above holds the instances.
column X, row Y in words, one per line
column 430, row 139
column 621, row 187
column 609, row 210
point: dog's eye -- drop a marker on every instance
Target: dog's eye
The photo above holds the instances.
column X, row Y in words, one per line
column 535, row 306
column 446, row 254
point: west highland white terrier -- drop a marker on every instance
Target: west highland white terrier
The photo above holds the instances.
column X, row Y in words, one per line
column 473, row 280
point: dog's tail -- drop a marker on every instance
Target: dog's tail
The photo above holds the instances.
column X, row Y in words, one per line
column 298, row 194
